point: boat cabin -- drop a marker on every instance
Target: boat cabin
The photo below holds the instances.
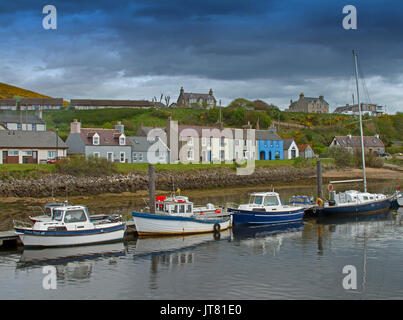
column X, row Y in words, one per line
column 354, row 196
column 50, row 206
column 265, row 199
column 71, row 214
column 177, row 205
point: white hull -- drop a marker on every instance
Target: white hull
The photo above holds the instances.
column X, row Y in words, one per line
column 56, row 241
column 150, row 226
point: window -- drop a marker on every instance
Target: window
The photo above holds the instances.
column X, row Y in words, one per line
column 57, row 215
column 134, row 156
column 75, row 216
column 140, row 156
column 182, row 208
column 222, row 154
column 257, row 199
column 122, row 157
column 271, row 201
column 122, row 140
column 51, row 154
column 34, row 127
column 27, row 153
column 222, row 141
column 190, row 155
column 204, row 141
column 189, row 208
column 110, row 156
column 13, row 153
column 190, row 141
column 95, row 140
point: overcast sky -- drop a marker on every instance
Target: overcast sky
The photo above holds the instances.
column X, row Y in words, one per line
column 270, row 49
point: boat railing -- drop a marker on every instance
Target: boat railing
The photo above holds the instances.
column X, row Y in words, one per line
column 22, row 224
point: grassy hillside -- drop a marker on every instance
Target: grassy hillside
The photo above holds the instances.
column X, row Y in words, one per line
column 8, row 91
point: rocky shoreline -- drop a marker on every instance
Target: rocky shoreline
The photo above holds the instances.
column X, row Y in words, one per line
column 62, row 185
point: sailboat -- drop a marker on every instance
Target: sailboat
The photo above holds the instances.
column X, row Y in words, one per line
column 353, row 201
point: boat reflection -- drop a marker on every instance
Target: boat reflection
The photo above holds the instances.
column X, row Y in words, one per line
column 267, row 238
column 71, row 263
column 161, row 245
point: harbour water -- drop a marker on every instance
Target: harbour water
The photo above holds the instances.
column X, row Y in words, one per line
column 303, row 261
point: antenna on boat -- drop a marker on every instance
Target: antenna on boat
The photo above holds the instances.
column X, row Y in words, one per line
column 360, row 113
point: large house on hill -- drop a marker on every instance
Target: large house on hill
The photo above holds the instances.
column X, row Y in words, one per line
column 309, row 105
column 187, row 99
column 111, row 144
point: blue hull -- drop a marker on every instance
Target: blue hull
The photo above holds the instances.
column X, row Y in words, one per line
column 374, row 207
column 244, row 217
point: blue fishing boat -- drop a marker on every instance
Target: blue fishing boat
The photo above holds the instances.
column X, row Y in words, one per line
column 265, row 208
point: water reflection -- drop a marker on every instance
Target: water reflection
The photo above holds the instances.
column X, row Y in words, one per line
column 266, row 238
column 72, row 263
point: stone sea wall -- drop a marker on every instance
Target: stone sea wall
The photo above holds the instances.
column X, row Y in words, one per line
column 60, row 185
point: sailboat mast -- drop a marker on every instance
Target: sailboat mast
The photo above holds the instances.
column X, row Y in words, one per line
column 361, row 131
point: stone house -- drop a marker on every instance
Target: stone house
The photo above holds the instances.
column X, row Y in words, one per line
column 30, row 147
column 187, row 99
column 352, row 143
column 309, row 105
column 111, row 144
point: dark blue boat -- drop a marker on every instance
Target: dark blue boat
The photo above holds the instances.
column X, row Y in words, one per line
column 265, row 208
column 356, row 202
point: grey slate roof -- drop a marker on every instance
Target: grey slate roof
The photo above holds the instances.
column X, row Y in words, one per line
column 266, row 135
column 141, row 144
column 355, row 141
column 16, row 118
column 30, row 140
column 287, row 143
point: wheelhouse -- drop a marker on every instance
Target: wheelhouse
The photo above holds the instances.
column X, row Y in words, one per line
column 175, row 205
column 268, row 199
column 71, row 214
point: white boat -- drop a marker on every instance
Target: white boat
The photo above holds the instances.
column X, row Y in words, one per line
column 177, row 215
column 70, row 226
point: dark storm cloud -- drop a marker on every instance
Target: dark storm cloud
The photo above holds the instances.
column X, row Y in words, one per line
column 291, row 42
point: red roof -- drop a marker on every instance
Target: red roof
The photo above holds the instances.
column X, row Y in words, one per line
column 107, row 137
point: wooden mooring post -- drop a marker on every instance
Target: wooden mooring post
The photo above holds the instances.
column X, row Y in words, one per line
column 319, row 177
column 151, row 186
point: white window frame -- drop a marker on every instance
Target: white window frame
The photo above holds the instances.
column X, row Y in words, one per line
column 107, row 156
column 120, row 140
column 96, row 154
column 95, row 139
column 124, row 157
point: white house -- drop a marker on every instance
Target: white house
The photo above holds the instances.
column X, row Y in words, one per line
column 291, row 150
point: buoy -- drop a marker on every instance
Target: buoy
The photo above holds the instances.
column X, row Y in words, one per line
column 217, row 227
column 217, row 211
column 319, row 201
column 330, row 187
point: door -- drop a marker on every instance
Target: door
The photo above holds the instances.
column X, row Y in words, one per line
column 4, row 156
column 262, row 155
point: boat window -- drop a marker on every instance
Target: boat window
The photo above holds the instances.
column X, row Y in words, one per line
column 48, row 211
column 57, row 215
column 189, row 208
column 365, row 198
column 271, row 201
column 176, row 208
column 257, row 199
column 182, row 209
column 75, row 216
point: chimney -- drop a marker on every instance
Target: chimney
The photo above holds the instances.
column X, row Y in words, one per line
column 377, row 136
column 75, row 126
column 301, row 95
column 321, row 97
column 211, row 92
column 119, row 126
column 349, row 136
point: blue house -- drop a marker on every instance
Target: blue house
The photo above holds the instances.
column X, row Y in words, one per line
column 269, row 146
